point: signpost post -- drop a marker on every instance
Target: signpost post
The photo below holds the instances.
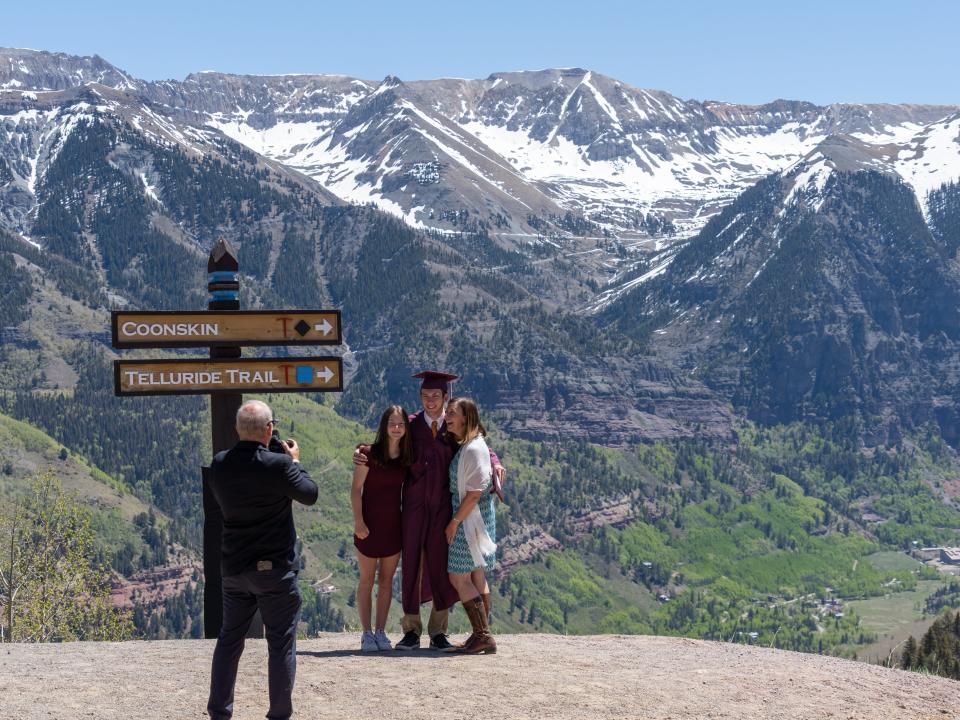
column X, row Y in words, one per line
column 223, row 284
column 225, row 376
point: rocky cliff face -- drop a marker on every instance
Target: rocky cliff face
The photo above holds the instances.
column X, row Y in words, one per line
column 39, row 70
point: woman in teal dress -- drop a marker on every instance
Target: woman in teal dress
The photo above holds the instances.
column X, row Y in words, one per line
column 472, row 532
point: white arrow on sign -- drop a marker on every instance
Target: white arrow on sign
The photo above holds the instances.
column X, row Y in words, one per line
column 326, row 373
column 324, row 327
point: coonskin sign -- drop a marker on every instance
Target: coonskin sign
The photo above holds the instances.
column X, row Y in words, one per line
column 237, row 327
column 262, row 375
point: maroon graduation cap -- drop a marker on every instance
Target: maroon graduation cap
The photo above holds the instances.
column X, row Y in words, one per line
column 433, row 380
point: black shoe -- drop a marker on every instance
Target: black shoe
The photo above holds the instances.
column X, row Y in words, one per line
column 440, row 642
column 411, row 641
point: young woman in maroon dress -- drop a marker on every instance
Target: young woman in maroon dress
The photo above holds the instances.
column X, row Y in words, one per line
column 377, row 537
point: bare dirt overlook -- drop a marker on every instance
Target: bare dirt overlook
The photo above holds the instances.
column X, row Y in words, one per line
column 532, row 676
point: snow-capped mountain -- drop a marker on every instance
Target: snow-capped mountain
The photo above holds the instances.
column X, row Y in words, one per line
column 411, row 161
column 518, row 151
column 34, row 126
column 588, row 143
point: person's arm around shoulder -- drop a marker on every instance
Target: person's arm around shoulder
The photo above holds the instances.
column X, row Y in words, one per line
column 300, row 486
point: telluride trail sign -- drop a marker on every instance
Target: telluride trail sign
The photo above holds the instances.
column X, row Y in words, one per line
column 190, row 377
column 225, row 375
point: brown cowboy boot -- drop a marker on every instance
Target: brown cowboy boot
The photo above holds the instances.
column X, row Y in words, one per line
column 458, row 647
column 486, row 608
column 481, row 642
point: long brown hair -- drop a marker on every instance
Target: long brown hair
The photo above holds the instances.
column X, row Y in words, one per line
column 380, row 450
column 472, row 426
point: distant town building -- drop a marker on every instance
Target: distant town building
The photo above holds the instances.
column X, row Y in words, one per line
column 950, row 556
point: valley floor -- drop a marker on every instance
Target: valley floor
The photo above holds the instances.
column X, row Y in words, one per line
column 532, row 676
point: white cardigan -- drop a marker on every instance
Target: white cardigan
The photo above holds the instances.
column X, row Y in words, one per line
column 475, row 473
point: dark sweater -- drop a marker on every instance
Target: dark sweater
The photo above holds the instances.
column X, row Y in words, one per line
column 255, row 489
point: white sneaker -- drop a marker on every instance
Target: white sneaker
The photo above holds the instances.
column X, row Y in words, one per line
column 368, row 643
column 383, row 642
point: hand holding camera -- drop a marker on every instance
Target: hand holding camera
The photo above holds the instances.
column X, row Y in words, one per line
column 288, row 446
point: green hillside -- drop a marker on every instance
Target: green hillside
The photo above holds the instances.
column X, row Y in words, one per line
column 114, row 507
column 733, row 541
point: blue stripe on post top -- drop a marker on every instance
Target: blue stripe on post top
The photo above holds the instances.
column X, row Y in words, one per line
column 222, row 276
column 224, row 295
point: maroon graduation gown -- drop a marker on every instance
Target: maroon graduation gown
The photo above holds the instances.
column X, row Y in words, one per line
column 427, row 509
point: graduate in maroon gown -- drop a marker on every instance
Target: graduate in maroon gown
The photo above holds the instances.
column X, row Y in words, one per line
column 426, row 512
column 427, row 509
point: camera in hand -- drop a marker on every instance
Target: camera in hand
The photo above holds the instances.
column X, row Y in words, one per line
column 276, row 444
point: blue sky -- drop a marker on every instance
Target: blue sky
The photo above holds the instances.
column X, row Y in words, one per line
column 746, row 51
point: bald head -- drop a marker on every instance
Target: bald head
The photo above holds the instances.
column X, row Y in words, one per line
column 253, row 421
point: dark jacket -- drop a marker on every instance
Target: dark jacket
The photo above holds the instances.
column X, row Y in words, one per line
column 255, row 489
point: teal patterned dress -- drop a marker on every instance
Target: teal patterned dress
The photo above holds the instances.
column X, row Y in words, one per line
column 459, row 559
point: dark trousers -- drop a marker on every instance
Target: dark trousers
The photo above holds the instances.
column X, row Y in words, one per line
column 276, row 594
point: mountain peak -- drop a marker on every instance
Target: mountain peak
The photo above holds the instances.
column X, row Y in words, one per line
column 809, row 175
column 24, row 69
column 847, row 153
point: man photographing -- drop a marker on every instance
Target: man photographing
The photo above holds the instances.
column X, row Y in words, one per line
column 255, row 489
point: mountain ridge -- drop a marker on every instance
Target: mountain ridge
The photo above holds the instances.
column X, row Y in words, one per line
column 661, row 146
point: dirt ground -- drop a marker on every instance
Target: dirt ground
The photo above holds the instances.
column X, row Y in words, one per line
column 532, row 676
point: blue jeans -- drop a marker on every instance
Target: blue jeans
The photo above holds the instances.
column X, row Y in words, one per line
column 276, row 594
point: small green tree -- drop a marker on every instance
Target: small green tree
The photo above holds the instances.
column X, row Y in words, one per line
column 908, row 660
column 51, row 587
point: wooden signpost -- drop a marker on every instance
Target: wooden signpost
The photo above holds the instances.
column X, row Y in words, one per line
column 225, row 375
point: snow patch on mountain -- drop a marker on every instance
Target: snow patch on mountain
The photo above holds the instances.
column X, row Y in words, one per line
column 931, row 158
column 149, row 188
column 594, row 187
column 60, row 133
column 282, row 141
column 809, row 182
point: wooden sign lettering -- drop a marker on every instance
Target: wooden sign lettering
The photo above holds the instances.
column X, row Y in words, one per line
column 212, row 329
column 209, row 377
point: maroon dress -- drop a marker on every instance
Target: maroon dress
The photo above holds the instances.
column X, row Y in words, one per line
column 381, row 510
